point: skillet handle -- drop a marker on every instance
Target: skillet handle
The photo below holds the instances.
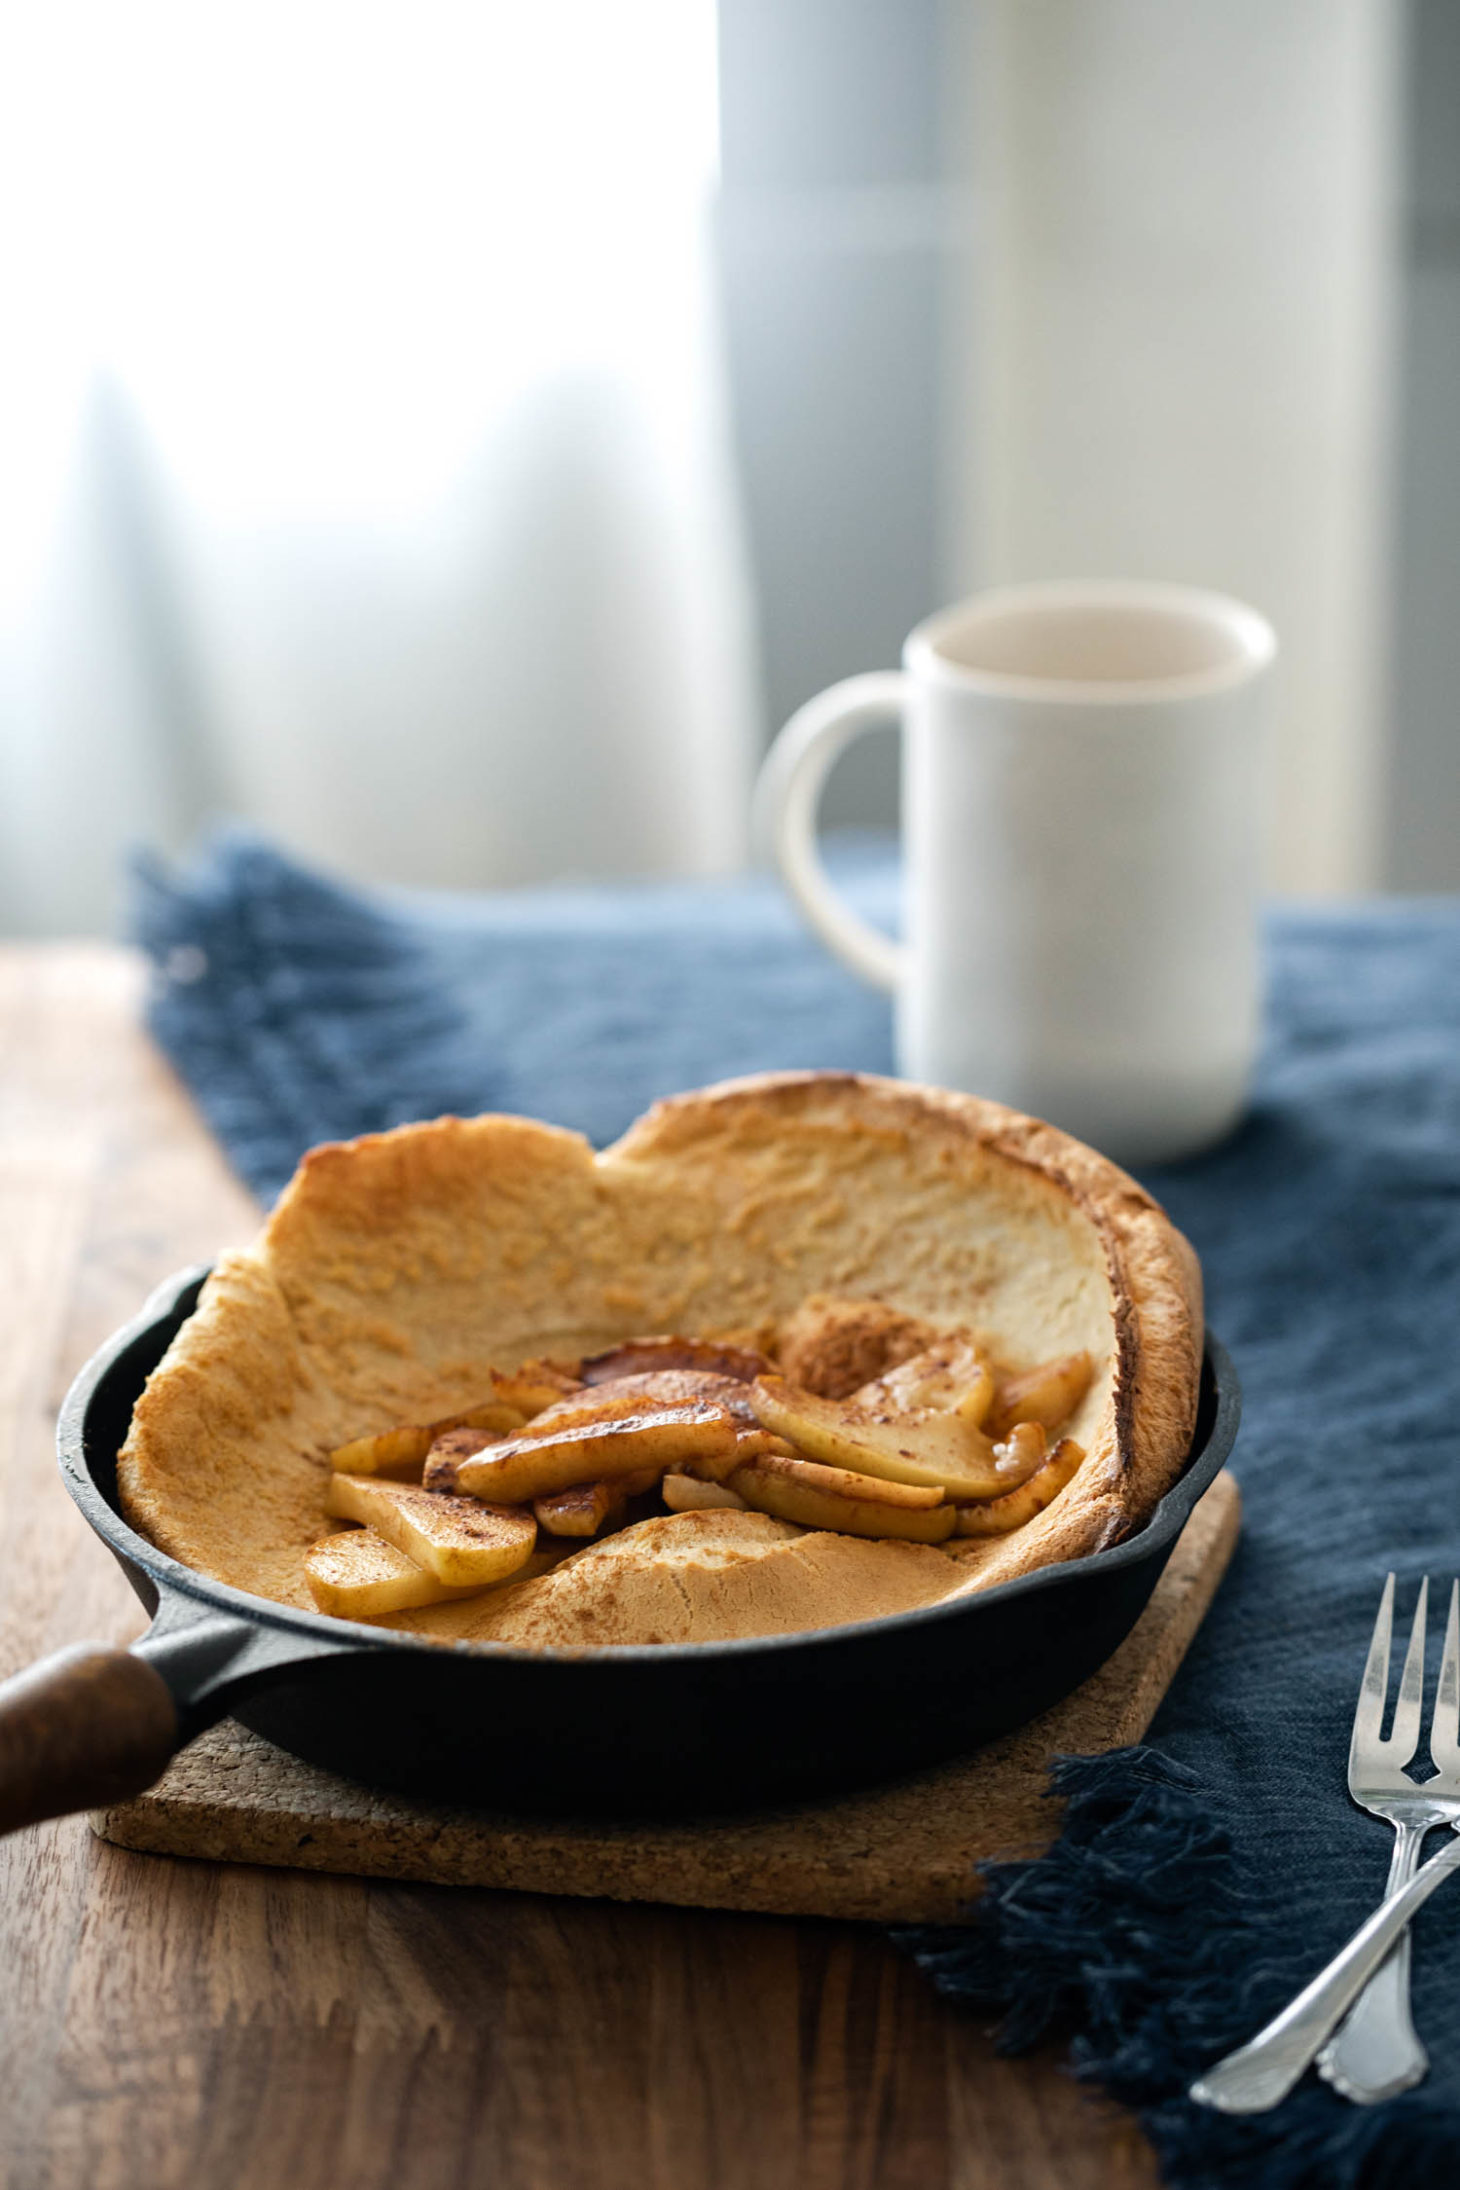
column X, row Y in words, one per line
column 87, row 1727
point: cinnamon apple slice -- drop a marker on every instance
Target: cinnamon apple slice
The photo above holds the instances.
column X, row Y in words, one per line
column 357, row 1575
column 459, row 1540
column 1048, row 1394
column 638, row 1389
column 691, row 1494
column 517, row 1395
column 400, row 1453
column 581, row 1510
column 852, row 1505
column 599, row 1449
column 934, row 1448
column 950, row 1378
column 999, row 1516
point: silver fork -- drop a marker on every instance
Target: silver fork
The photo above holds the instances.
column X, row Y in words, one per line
column 1264, row 2071
column 1376, row 2053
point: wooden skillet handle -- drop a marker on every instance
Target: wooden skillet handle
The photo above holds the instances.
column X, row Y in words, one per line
column 84, row 1728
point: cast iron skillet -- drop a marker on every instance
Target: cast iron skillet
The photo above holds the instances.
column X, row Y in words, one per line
column 657, row 1729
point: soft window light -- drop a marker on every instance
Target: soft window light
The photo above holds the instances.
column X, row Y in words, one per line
column 368, row 438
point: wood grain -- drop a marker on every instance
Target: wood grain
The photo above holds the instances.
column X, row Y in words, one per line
column 165, row 2025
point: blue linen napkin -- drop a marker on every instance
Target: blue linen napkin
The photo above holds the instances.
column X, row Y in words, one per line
column 1201, row 1877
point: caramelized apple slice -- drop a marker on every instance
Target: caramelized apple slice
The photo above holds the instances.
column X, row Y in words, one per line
column 749, row 1445
column 534, row 1465
column 997, row 1516
column 458, row 1540
column 1048, row 1394
column 656, row 1388
column 852, row 1505
column 750, row 1442
column 439, row 1475
column 640, row 1356
column 950, row 1378
column 944, row 1451
column 517, row 1395
column 688, row 1494
column 460, row 1444
column 586, row 1409
column 400, row 1453
column 602, row 1411
column 581, row 1510
column 1024, row 1449
column 357, row 1575
column 394, row 1452
column 873, row 1490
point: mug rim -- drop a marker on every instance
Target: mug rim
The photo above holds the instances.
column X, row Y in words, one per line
column 1252, row 636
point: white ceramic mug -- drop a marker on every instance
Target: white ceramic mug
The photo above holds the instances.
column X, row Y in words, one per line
column 1082, row 810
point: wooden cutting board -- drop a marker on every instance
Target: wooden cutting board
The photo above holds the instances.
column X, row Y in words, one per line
column 904, row 1852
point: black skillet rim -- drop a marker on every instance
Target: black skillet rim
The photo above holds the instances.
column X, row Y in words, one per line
column 320, row 1628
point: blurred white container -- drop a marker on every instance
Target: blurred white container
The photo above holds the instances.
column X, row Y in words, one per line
column 1083, row 794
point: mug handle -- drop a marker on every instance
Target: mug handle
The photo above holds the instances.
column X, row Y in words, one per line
column 786, row 800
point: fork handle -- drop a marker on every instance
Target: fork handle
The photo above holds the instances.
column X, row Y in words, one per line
column 1375, row 2053
column 1260, row 2074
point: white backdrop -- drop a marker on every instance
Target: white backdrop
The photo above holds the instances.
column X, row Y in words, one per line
column 363, row 441
column 1179, row 357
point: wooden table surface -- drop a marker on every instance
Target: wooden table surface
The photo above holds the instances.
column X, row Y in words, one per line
column 167, row 2023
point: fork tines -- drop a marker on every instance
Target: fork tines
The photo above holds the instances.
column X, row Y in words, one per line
column 1370, row 1744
